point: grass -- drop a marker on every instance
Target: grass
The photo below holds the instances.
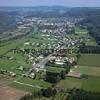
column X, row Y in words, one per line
column 55, row 69
column 11, row 65
column 20, row 59
column 8, row 64
column 40, row 83
column 92, row 83
column 91, row 42
column 70, row 83
column 24, row 87
column 81, row 31
column 88, row 70
column 89, row 60
column 37, row 38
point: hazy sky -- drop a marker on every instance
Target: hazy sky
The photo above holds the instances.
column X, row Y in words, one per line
column 68, row 3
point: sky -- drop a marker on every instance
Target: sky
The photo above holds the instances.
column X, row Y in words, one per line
column 67, row 3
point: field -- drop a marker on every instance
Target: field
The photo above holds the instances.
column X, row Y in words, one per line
column 90, row 83
column 8, row 93
column 19, row 59
column 33, row 39
column 95, row 71
column 79, row 30
column 89, row 65
column 89, row 60
column 40, row 83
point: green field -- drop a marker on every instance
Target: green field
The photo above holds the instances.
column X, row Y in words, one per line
column 88, row 64
column 79, row 30
column 34, row 38
column 89, row 60
column 90, row 83
column 88, row 70
column 70, row 83
column 40, row 83
column 24, row 87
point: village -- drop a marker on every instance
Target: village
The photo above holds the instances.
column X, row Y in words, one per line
column 47, row 55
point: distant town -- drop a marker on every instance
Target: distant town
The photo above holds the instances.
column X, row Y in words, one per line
column 49, row 58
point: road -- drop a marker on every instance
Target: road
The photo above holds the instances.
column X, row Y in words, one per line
column 41, row 64
column 44, row 61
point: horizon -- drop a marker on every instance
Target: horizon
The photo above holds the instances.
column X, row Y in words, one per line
column 34, row 3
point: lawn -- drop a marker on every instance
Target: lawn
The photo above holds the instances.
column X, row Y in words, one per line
column 89, row 60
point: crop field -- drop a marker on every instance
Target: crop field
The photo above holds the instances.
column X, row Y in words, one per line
column 94, row 71
column 70, row 83
column 24, row 87
column 30, row 85
column 90, row 83
column 7, row 94
column 4, row 79
column 81, row 31
column 35, row 82
column 89, row 60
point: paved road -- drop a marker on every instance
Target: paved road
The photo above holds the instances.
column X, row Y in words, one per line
column 41, row 64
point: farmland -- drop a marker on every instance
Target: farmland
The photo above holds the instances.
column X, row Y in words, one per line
column 89, row 60
column 10, row 61
column 44, row 58
column 88, row 65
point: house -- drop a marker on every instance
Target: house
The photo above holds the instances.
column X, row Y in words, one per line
column 27, row 43
column 12, row 74
column 32, row 75
column 20, row 68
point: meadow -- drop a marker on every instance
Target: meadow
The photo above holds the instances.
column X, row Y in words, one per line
column 89, row 60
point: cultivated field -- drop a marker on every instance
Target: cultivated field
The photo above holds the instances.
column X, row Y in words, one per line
column 9, row 93
column 91, row 83
column 89, row 60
